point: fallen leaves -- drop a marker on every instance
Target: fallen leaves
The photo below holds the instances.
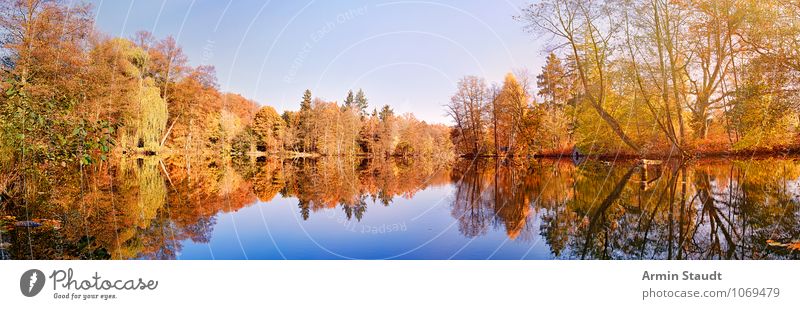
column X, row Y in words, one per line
column 792, row 246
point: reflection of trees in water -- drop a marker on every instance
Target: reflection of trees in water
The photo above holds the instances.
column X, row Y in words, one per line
column 469, row 201
column 145, row 208
column 199, row 192
column 348, row 183
column 500, row 194
column 709, row 210
column 704, row 210
column 129, row 210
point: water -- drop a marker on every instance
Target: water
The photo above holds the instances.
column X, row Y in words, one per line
column 336, row 208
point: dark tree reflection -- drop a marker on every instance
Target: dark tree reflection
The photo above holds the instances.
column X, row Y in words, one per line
column 700, row 210
column 147, row 208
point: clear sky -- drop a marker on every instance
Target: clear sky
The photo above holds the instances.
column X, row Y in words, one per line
column 408, row 54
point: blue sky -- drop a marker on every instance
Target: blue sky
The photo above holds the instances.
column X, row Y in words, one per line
column 408, row 54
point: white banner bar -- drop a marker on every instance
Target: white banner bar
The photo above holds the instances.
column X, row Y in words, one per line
column 401, row 284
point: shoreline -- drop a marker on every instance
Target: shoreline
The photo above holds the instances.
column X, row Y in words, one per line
column 757, row 153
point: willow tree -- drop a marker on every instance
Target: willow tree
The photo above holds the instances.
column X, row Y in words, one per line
column 152, row 120
column 128, row 93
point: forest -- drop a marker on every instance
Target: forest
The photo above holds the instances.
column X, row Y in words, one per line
column 349, row 129
column 73, row 95
column 643, row 78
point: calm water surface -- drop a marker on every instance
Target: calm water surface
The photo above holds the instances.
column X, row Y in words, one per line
column 410, row 209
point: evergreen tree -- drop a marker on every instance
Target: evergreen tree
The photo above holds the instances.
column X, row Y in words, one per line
column 386, row 113
column 361, row 103
column 304, row 136
column 305, row 105
column 553, row 82
column 348, row 102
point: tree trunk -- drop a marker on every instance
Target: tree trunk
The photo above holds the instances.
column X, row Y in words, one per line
column 596, row 103
column 169, row 130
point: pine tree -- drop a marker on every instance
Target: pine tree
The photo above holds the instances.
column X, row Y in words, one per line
column 361, row 103
column 386, row 113
column 386, row 133
column 348, row 102
column 305, row 105
column 553, row 82
column 304, row 135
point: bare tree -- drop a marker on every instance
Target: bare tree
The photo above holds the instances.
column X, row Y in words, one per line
column 468, row 108
column 587, row 29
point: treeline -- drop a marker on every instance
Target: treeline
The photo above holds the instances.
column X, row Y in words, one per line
column 645, row 78
column 493, row 120
column 509, row 119
column 327, row 128
column 680, row 77
column 73, row 94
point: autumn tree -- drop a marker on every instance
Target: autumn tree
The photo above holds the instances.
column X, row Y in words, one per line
column 387, row 132
column 169, row 64
column 369, row 136
column 468, row 109
column 195, row 107
column 712, row 26
column 586, row 29
column 655, row 62
column 418, row 139
column 760, row 105
column 269, row 127
column 291, row 134
column 511, row 108
column 46, row 111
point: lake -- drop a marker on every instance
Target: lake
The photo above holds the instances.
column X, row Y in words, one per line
column 336, row 208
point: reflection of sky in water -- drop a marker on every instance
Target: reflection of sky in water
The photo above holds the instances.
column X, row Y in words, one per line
column 528, row 209
column 418, row 228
